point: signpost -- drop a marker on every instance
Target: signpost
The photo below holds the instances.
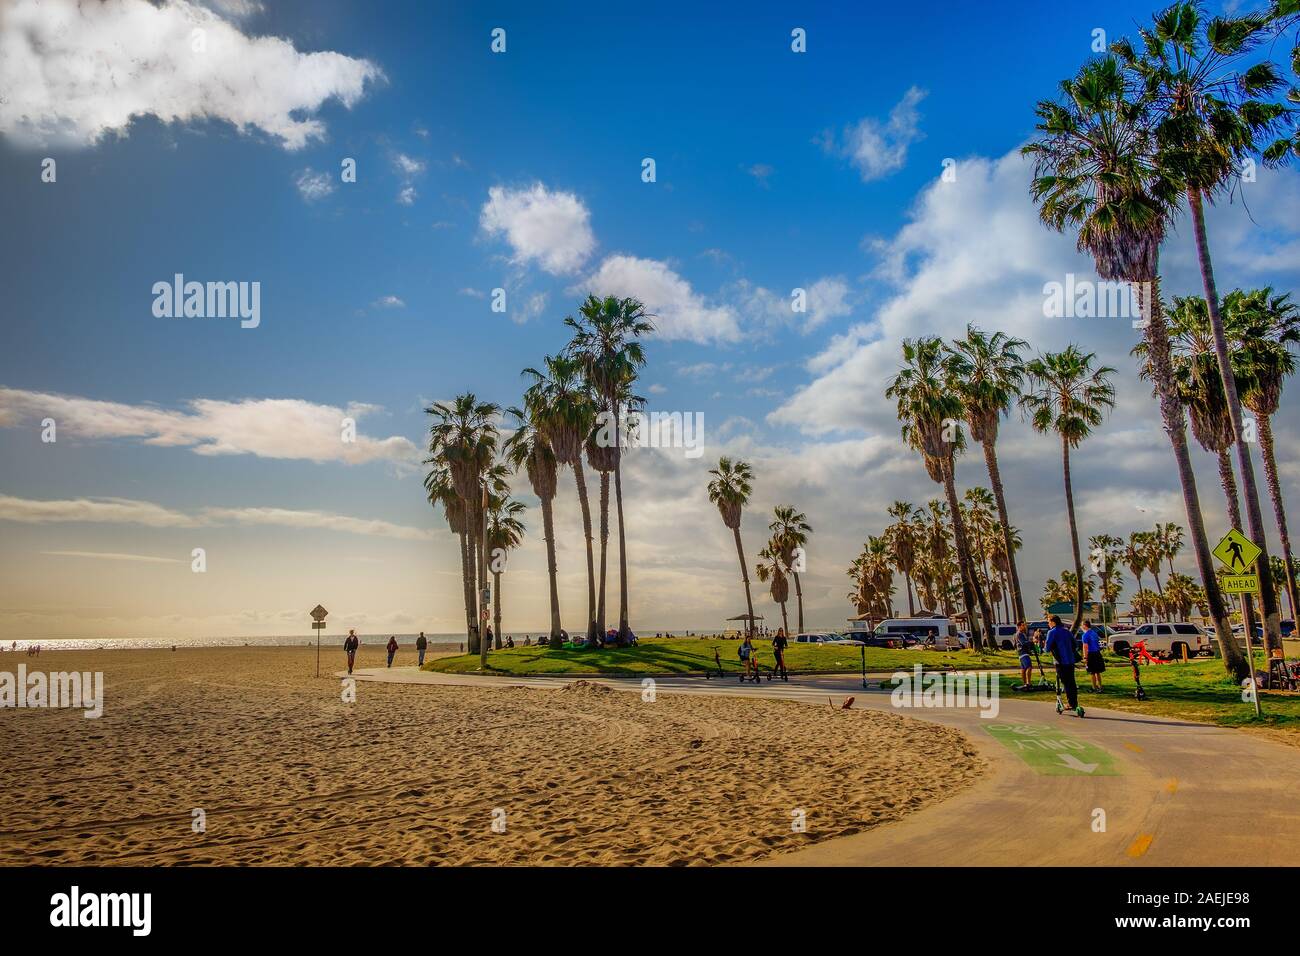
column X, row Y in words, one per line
column 1237, row 553
column 318, row 615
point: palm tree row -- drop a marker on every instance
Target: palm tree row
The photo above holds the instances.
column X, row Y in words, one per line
column 1134, row 135
column 574, row 408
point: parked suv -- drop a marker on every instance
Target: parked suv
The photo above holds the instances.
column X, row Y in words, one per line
column 1167, row 639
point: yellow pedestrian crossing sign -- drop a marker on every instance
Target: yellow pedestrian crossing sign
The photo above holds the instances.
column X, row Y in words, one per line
column 1240, row 583
column 1237, row 552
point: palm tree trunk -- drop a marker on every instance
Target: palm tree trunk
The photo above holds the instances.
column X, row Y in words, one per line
column 1279, row 507
column 482, row 582
column 1074, row 537
column 971, row 597
column 744, row 576
column 1268, row 595
column 1229, row 482
column 604, row 550
column 1171, row 413
column 911, row 607
column 995, row 479
column 496, row 606
column 548, row 532
column 467, row 586
column 785, row 621
column 798, row 594
column 622, row 551
column 581, row 479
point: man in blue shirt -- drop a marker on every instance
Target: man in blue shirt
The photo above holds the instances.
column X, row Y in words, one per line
column 1060, row 644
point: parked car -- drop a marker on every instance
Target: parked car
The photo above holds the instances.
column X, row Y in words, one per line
column 847, row 639
column 1006, row 636
column 1288, row 629
column 820, row 638
column 1167, row 639
column 940, row 628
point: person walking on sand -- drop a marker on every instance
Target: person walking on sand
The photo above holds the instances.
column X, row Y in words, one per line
column 392, row 649
column 1092, row 655
column 1060, row 644
column 351, row 645
column 421, row 645
column 1024, row 648
column 778, row 650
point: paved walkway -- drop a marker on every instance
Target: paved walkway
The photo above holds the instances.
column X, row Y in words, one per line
column 1173, row 793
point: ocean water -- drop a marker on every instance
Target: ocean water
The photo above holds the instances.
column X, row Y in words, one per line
column 437, row 642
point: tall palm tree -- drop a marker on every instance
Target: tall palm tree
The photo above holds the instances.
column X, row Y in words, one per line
column 876, row 565
column 730, row 489
column 528, row 449
column 607, row 342
column 1069, row 397
column 902, row 538
column 437, row 484
column 565, row 412
column 771, row 571
column 930, row 414
column 1263, row 327
column 978, row 511
column 987, row 371
column 1208, row 116
column 1095, row 175
column 505, row 532
column 790, row 530
column 464, row 436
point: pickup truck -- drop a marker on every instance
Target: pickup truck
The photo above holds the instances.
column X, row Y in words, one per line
column 1166, row 639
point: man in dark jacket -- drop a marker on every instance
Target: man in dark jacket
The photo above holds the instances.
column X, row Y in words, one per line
column 1060, row 644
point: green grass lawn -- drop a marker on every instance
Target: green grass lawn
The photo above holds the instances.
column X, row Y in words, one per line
column 1199, row 690
column 690, row 655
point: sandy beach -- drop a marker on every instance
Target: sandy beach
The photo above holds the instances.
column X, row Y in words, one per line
column 285, row 772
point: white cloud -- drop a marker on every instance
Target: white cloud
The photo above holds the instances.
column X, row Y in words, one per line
column 878, row 148
column 75, row 72
column 406, row 196
column 313, row 185
column 824, row 299
column 761, row 172
column 408, row 166
column 679, row 312
column 266, row 428
column 549, row 228
column 389, row 302
column 127, row 511
column 114, row 556
column 95, row 510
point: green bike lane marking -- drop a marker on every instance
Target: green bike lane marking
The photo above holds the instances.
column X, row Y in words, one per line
column 1054, row 753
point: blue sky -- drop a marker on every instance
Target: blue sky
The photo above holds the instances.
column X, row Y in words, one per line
column 775, row 170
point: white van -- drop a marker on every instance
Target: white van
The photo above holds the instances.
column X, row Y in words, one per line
column 1167, row 639
column 941, row 629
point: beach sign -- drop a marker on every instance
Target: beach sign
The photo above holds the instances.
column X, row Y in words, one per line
column 1240, row 583
column 318, row 613
column 1237, row 552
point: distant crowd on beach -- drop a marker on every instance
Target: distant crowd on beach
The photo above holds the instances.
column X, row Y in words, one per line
column 32, row 649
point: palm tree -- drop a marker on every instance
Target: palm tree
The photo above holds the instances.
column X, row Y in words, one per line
column 1095, row 174
column 987, row 372
column 565, row 412
column 902, row 538
column 1263, row 327
column 1069, row 397
column 606, row 341
column 1107, row 552
column 1135, row 555
column 790, row 529
column 1181, row 595
column 978, row 512
column 464, row 437
column 505, row 532
column 1155, row 554
column 1171, row 542
column 437, row 484
column 876, row 565
column 772, row 571
column 528, row 448
column 930, row 414
column 730, row 489
column 1208, row 118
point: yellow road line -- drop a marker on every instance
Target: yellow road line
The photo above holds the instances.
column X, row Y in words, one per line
column 1139, row 846
column 1133, row 747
